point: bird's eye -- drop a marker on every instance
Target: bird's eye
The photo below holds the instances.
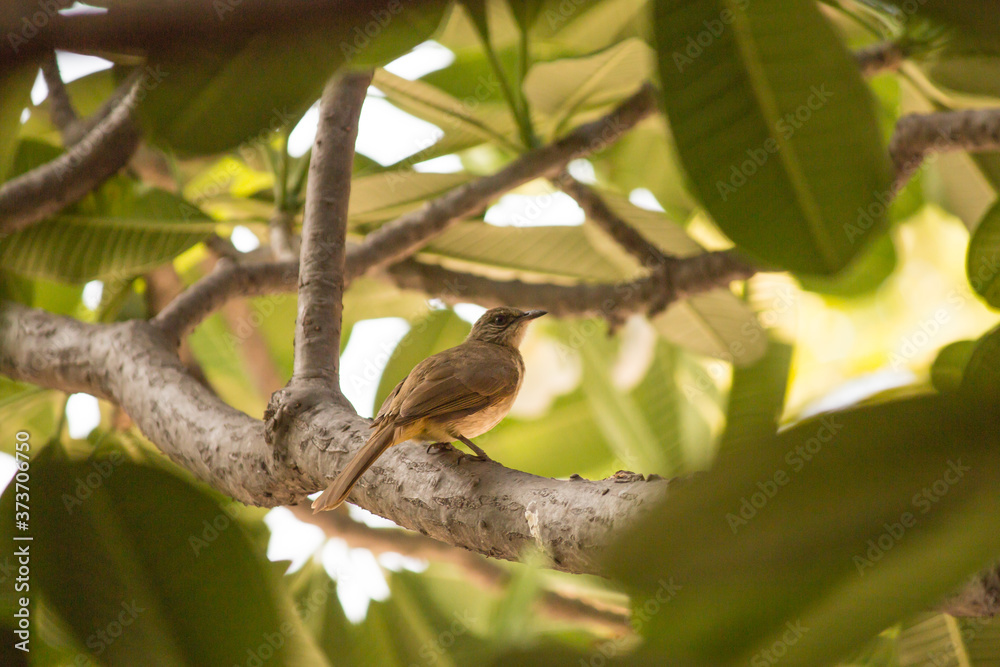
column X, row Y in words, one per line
column 500, row 319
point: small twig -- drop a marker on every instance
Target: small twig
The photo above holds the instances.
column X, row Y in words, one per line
column 60, row 107
column 881, row 57
column 43, row 191
column 324, row 230
column 477, row 569
column 284, row 243
column 596, row 210
column 917, row 136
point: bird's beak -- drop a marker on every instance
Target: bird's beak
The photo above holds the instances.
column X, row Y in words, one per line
column 533, row 314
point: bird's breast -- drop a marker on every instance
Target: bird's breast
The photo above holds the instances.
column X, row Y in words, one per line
column 482, row 421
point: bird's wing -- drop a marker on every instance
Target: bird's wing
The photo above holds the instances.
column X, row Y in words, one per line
column 387, row 405
column 461, row 380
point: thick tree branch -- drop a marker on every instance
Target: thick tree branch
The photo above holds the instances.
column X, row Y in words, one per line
column 324, row 230
column 45, row 190
column 405, row 235
column 477, row 569
column 485, row 508
column 676, row 279
column 919, row 135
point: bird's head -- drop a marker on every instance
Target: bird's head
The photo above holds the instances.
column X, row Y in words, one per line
column 503, row 326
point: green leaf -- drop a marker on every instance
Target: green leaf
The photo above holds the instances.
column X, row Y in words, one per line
column 980, row 380
column 389, row 194
column 982, row 263
column 465, row 121
column 121, row 230
column 438, row 331
column 15, row 91
column 862, row 276
column 786, row 158
column 829, row 535
column 714, row 323
column 546, row 251
column 87, row 94
column 562, row 88
column 628, row 432
column 160, row 573
column 206, row 99
column 950, row 363
column 757, row 397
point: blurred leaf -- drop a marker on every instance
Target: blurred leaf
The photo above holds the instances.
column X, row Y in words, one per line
column 667, row 410
column 368, row 298
column 949, row 365
column 980, row 380
column 206, row 99
column 862, row 276
column 774, row 150
column 25, row 407
column 982, row 264
column 581, row 28
column 544, row 250
column 628, row 432
column 561, row 88
column 120, row 231
column 15, row 91
column 906, row 518
column 386, row 195
column 153, row 557
column 757, row 397
column 438, row 331
column 715, row 323
column 465, row 121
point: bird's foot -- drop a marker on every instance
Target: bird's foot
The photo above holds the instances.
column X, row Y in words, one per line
column 439, row 447
column 480, row 454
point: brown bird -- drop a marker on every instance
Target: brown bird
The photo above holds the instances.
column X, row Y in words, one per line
column 457, row 394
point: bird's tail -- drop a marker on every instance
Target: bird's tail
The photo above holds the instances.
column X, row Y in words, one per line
column 337, row 492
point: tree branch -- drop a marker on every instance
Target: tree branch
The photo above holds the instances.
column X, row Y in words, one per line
column 402, row 237
column 485, row 508
column 60, row 107
column 324, row 231
column 676, row 279
column 405, row 235
column 882, row 57
column 477, row 569
column 44, row 191
column 596, row 210
column 919, row 135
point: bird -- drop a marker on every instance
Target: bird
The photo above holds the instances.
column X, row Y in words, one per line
column 456, row 394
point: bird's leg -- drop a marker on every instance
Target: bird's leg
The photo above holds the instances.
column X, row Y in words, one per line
column 481, row 455
column 439, row 447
